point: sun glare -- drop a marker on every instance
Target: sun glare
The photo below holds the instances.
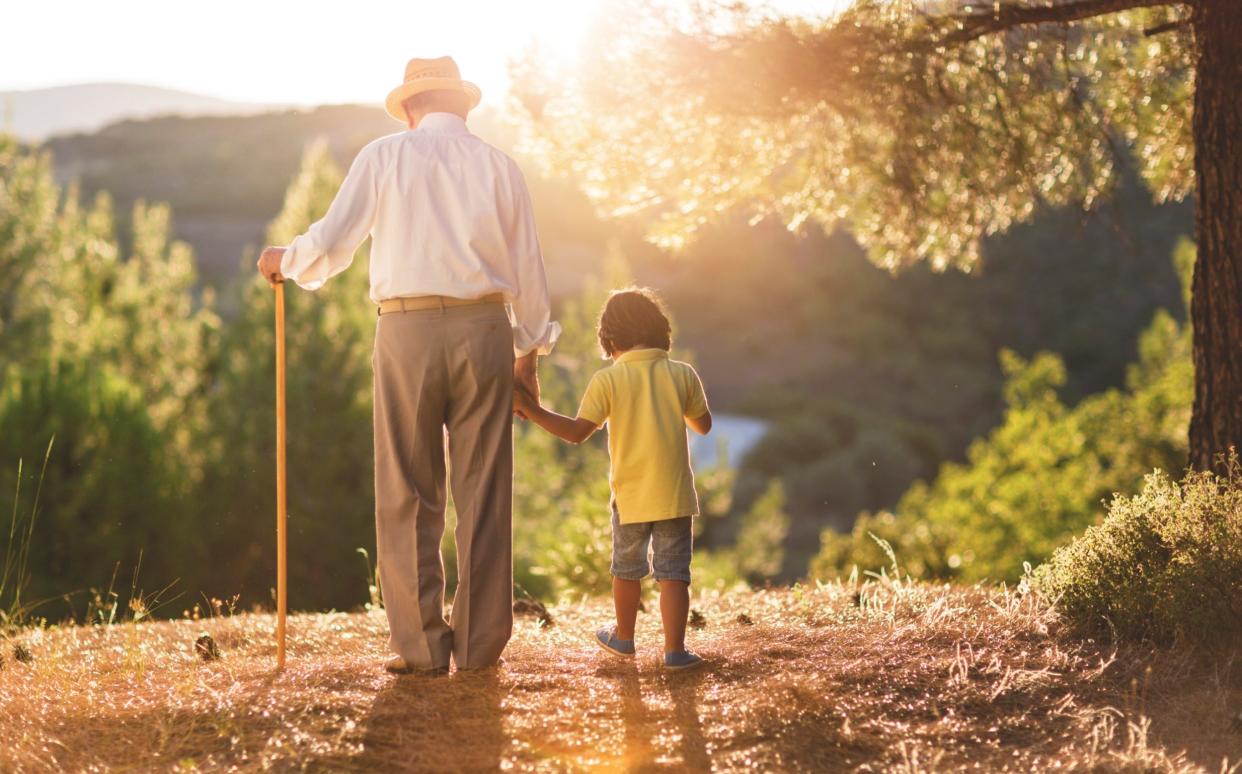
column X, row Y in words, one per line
column 311, row 52
column 561, row 28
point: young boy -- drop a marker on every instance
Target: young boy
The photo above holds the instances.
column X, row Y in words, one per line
column 647, row 399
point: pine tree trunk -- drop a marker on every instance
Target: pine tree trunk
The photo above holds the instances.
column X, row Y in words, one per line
column 1216, row 305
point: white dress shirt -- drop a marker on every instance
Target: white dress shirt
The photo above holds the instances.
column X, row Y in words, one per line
column 448, row 215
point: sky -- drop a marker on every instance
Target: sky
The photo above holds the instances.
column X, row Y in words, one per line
column 276, row 51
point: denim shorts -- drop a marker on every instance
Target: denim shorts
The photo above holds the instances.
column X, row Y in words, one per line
column 669, row 543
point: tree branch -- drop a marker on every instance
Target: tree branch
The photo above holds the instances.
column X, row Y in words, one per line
column 1160, row 29
column 1000, row 17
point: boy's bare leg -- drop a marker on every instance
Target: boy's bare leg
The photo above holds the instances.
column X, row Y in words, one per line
column 674, row 609
column 626, row 595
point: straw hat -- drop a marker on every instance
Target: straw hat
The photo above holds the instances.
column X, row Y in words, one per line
column 426, row 75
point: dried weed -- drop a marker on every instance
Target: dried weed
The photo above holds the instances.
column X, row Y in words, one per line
column 886, row 677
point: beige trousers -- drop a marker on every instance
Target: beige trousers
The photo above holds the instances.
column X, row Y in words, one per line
column 441, row 370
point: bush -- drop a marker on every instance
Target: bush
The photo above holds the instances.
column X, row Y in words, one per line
column 1163, row 566
column 758, row 548
column 1038, row 478
column 108, row 495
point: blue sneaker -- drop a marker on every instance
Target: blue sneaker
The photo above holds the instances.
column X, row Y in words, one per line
column 682, row 659
column 607, row 639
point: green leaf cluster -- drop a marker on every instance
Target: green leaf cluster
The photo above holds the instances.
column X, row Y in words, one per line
column 880, row 118
column 102, row 342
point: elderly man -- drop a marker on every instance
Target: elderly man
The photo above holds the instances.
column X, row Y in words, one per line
column 458, row 276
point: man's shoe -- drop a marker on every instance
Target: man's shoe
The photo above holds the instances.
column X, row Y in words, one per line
column 682, row 659
column 397, row 666
column 607, row 639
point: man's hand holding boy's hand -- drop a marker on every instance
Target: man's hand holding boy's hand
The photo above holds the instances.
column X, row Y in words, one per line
column 572, row 429
column 523, row 404
column 526, row 374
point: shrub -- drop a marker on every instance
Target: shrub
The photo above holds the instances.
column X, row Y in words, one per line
column 108, row 492
column 1038, row 478
column 758, row 549
column 1163, row 565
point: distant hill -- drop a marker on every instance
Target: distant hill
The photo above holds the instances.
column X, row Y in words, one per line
column 225, row 178
column 37, row 114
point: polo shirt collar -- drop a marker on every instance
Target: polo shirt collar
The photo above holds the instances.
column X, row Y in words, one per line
column 635, row 355
column 443, row 123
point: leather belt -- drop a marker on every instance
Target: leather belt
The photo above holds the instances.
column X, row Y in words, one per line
column 418, row 303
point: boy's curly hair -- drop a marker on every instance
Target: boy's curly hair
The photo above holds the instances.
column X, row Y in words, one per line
column 634, row 318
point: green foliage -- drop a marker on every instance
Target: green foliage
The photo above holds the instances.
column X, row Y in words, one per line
column 328, row 338
column 1160, row 566
column 72, row 294
column 15, row 575
column 1037, row 478
column 764, row 527
column 101, row 346
column 110, row 486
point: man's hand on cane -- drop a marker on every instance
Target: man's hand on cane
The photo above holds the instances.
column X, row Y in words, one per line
column 269, row 264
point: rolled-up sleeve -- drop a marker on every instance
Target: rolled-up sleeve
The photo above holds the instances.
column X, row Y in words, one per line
column 530, row 304
column 328, row 246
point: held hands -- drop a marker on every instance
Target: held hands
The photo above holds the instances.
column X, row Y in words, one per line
column 571, row 429
column 526, row 382
column 269, row 265
column 523, row 404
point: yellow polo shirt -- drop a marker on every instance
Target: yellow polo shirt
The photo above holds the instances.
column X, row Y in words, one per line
column 645, row 397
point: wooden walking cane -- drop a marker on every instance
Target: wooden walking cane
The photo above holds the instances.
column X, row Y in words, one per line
column 279, row 287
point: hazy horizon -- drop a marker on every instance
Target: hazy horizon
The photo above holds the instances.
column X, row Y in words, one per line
column 303, row 54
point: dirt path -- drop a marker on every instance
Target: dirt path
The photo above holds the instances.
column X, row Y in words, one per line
column 920, row 678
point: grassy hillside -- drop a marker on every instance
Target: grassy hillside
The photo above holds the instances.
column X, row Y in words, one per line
column 883, row 677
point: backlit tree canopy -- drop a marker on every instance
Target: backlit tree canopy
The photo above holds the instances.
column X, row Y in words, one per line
column 923, row 127
column 916, row 134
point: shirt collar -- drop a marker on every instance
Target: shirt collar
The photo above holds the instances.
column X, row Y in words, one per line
column 635, row 355
column 443, row 123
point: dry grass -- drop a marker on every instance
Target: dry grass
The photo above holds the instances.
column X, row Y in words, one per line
column 905, row 678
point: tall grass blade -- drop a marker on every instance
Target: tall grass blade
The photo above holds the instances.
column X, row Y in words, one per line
column 9, row 546
column 16, row 576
